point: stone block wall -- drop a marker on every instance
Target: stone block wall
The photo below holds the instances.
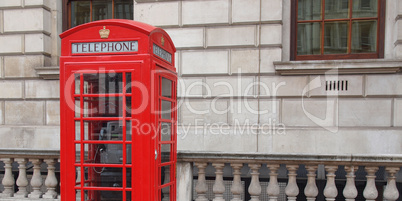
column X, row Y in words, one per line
column 29, row 105
column 232, row 99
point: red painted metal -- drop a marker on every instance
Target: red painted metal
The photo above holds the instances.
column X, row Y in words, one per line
column 83, row 104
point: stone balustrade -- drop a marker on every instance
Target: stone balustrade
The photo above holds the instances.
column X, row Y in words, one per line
column 207, row 176
column 276, row 177
column 23, row 177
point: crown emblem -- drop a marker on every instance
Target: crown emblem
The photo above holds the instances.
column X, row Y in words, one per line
column 104, row 33
column 163, row 41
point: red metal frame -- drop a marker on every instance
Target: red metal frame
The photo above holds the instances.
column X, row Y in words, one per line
column 146, row 70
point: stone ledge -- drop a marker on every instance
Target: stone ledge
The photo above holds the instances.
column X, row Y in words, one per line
column 48, row 73
column 29, row 153
column 338, row 67
column 252, row 157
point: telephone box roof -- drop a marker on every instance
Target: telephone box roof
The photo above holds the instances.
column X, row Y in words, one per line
column 130, row 24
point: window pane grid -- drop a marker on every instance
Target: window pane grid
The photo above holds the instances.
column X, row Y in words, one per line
column 346, row 27
column 91, row 10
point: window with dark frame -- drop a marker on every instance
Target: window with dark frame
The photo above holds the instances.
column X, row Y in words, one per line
column 76, row 12
column 337, row 29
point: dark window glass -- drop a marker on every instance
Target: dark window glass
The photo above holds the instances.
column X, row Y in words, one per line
column 87, row 11
column 337, row 29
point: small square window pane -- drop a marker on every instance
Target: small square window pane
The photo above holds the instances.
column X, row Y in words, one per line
column 77, row 84
column 365, row 8
column 309, row 10
column 80, row 12
column 336, row 9
column 336, row 38
column 364, row 36
column 166, row 109
column 101, row 10
column 165, row 193
column 166, row 131
column 123, row 9
column 165, row 152
column 165, row 174
column 166, row 88
column 309, row 39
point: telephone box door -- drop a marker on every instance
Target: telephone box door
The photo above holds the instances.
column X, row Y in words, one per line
column 107, row 102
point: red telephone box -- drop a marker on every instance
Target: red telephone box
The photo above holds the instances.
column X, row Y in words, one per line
column 118, row 112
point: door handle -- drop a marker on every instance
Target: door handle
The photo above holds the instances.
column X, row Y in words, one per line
column 156, row 154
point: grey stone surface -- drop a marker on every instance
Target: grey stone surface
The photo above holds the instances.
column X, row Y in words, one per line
column 205, row 12
column 42, row 89
column 24, row 112
column 11, row 89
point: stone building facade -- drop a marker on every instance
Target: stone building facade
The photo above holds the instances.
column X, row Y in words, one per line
column 239, row 89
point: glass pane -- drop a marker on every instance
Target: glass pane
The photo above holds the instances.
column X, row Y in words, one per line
column 165, row 152
column 128, row 106
column 103, row 83
column 103, row 130
column 78, row 153
column 364, row 36
column 103, row 107
column 128, row 131
column 165, row 193
column 309, row 10
column 166, row 88
column 123, row 9
column 166, row 109
column 80, row 12
column 103, row 195
column 128, row 196
column 106, row 153
column 336, row 9
column 166, row 131
column 336, row 38
column 165, row 174
column 128, row 81
column 77, row 84
column 101, row 9
column 309, row 38
column 365, row 8
column 77, row 130
column 77, row 107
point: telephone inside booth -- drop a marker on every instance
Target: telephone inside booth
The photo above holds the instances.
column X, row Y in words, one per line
column 118, row 113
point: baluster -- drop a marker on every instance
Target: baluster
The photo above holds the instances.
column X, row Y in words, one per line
column 36, row 181
column 273, row 189
column 350, row 190
column 255, row 188
column 22, row 180
column 166, row 191
column 219, row 186
column 311, row 190
column 370, row 191
column 391, row 192
column 201, row 187
column 292, row 190
column 51, row 180
column 8, row 179
column 330, row 191
column 237, row 188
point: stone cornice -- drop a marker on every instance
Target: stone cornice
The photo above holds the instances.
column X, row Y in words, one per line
column 338, row 67
column 340, row 159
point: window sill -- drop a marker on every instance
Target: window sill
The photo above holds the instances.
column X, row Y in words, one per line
column 338, row 67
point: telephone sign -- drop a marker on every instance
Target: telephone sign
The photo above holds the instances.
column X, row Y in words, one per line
column 118, row 112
